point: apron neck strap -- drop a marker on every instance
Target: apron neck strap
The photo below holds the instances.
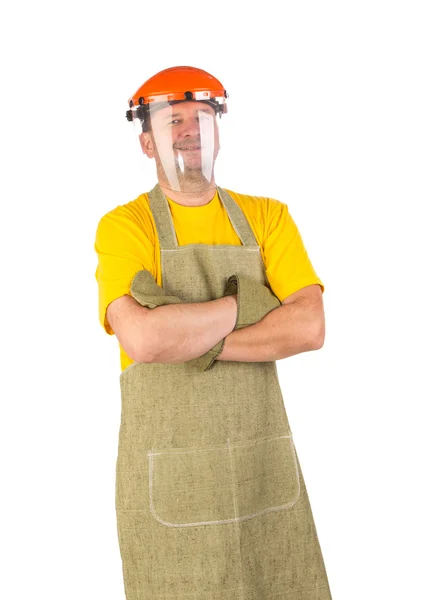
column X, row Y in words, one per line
column 165, row 228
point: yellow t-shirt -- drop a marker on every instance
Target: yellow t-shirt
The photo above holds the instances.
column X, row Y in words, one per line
column 127, row 241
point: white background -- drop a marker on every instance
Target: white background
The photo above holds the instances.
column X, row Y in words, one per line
column 329, row 112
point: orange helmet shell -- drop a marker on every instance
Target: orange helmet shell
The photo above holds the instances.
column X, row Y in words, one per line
column 178, row 83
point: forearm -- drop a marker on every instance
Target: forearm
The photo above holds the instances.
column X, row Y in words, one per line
column 182, row 332
column 287, row 330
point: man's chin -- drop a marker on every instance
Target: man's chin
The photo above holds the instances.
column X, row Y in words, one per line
column 191, row 166
column 192, row 173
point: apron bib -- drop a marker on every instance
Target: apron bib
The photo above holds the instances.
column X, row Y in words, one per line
column 210, row 499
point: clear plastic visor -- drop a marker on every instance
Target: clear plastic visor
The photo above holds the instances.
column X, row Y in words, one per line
column 183, row 139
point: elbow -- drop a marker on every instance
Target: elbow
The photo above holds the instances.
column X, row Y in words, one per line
column 140, row 355
column 317, row 335
column 134, row 349
column 141, row 346
column 143, row 351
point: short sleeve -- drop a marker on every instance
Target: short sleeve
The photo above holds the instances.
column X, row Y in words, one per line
column 288, row 266
column 123, row 248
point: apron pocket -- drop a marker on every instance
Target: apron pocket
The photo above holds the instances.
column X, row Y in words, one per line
column 223, row 484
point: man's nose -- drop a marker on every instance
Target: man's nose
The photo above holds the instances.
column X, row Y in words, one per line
column 191, row 128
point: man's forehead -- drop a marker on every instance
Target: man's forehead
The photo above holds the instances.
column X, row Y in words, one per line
column 181, row 108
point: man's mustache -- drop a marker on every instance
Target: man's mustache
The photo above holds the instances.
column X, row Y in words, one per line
column 189, row 144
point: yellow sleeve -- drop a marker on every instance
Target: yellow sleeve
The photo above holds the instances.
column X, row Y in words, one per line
column 288, row 266
column 123, row 248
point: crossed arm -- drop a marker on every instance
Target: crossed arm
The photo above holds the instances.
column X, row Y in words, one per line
column 298, row 325
column 179, row 332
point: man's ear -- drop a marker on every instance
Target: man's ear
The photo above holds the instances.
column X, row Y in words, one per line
column 147, row 143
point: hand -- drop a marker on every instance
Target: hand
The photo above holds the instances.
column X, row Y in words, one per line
column 254, row 300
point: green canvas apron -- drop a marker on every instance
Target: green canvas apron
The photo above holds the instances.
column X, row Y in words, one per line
column 210, row 499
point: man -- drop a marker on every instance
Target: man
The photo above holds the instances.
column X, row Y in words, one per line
column 205, row 289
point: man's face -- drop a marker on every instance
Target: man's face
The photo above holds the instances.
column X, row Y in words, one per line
column 186, row 133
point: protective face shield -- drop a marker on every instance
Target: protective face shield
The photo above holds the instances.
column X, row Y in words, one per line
column 179, row 127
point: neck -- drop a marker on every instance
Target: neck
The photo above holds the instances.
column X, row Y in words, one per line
column 190, row 198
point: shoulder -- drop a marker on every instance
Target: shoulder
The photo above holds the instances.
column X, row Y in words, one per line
column 132, row 216
column 265, row 210
column 263, row 203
